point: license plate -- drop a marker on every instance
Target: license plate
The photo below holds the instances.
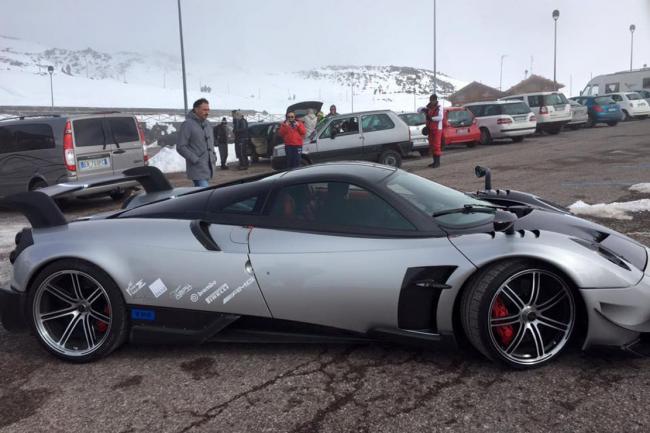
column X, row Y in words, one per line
column 462, row 131
column 611, row 109
column 92, row 164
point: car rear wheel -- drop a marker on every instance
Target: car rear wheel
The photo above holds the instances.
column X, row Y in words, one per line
column 612, row 123
column 76, row 311
column 519, row 314
column 626, row 116
column 555, row 130
column 391, row 158
column 486, row 138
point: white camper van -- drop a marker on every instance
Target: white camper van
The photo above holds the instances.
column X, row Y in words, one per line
column 626, row 81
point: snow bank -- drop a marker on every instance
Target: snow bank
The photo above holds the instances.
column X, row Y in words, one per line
column 614, row 210
column 641, row 187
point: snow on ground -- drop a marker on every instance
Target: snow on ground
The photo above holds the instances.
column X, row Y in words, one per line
column 170, row 161
column 620, row 211
column 641, row 187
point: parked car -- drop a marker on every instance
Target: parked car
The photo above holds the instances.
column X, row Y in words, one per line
column 631, row 103
column 503, row 119
column 460, row 127
column 344, row 252
column 625, row 81
column 37, row 151
column 552, row 109
column 371, row 135
column 416, row 122
column 579, row 115
column 601, row 109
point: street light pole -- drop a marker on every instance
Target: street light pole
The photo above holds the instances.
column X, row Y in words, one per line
column 180, row 31
column 50, row 69
column 632, row 29
column 556, row 15
column 435, row 74
column 503, row 56
column 352, row 95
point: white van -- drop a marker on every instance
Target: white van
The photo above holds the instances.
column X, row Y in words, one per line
column 552, row 109
column 625, row 81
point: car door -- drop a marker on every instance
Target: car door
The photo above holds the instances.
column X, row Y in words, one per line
column 93, row 151
column 123, row 135
column 322, row 258
column 378, row 130
column 340, row 140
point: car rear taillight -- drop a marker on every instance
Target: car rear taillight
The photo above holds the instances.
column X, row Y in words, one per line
column 68, row 149
column 504, row 121
column 543, row 110
column 598, row 109
column 474, row 121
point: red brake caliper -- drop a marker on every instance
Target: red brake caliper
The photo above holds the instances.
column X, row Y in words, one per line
column 506, row 333
column 102, row 326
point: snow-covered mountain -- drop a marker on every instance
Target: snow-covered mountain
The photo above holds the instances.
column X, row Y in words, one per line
column 153, row 79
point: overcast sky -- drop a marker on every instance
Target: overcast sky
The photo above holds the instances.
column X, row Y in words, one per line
column 273, row 35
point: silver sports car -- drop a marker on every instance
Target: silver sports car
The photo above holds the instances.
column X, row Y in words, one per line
column 332, row 252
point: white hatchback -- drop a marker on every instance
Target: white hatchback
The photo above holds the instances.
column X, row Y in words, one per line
column 632, row 104
column 503, row 119
column 552, row 109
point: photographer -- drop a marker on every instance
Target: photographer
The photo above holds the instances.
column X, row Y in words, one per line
column 293, row 132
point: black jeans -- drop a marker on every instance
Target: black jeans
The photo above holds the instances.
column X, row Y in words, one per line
column 293, row 156
column 240, row 144
column 223, row 153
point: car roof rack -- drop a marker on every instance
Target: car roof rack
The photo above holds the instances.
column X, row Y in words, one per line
column 31, row 115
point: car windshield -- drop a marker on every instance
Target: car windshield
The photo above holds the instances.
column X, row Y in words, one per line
column 433, row 198
column 413, row 119
column 515, row 108
column 633, row 96
column 459, row 117
column 555, row 99
column 604, row 100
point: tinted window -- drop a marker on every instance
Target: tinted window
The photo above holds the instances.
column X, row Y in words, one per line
column 646, row 83
column 88, row 132
column 478, row 110
column 413, row 119
column 22, row 138
column 123, row 129
column 617, row 98
column 516, row 108
column 612, row 87
column 376, row 122
column 492, row 110
column 338, row 204
column 633, row 96
column 341, row 126
column 604, row 100
column 459, row 117
column 535, row 100
column 554, row 99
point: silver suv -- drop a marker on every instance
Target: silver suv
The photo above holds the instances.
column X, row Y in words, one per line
column 503, row 119
column 39, row 151
column 370, row 135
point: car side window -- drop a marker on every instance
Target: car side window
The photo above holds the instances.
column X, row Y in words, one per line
column 242, row 206
column 477, row 110
column 616, row 98
column 534, row 101
column 22, row 138
column 376, row 122
column 336, row 204
column 492, row 110
column 341, row 126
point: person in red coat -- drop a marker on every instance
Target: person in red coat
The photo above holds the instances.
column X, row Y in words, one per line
column 293, row 133
column 434, row 124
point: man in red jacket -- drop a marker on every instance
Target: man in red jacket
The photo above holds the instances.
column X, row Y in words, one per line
column 434, row 124
column 293, row 132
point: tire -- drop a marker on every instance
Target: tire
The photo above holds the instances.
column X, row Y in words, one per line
column 539, row 329
column 554, row 131
column 486, row 138
column 472, row 143
column 626, row 116
column 37, row 184
column 118, row 195
column 424, row 152
column 98, row 324
column 612, row 123
column 591, row 122
column 391, row 158
column 517, row 139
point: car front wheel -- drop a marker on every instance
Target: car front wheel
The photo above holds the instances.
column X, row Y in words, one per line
column 519, row 314
column 486, row 138
column 76, row 311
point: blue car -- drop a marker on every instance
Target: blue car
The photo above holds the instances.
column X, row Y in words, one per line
column 601, row 109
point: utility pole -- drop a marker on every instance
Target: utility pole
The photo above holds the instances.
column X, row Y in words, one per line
column 180, row 31
column 435, row 77
column 556, row 15
column 352, row 96
column 632, row 29
column 503, row 56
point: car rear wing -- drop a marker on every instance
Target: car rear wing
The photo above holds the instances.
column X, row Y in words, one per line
column 42, row 211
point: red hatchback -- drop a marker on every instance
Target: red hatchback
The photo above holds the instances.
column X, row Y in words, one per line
column 460, row 127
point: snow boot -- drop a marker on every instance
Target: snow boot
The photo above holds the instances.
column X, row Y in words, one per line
column 435, row 163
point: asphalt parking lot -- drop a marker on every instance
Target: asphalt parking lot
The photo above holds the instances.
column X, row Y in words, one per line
column 361, row 388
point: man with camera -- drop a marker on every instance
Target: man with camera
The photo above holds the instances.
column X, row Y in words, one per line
column 293, row 133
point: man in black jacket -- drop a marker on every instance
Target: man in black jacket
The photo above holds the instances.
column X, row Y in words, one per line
column 240, row 127
column 221, row 136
